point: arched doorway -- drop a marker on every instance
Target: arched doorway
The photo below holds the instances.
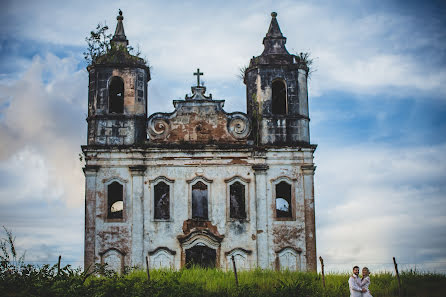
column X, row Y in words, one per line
column 202, row 256
column 200, row 247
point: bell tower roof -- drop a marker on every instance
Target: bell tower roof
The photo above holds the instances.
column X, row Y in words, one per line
column 119, row 38
column 274, row 40
column 274, row 29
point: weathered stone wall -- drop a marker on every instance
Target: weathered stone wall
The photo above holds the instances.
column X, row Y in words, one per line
column 291, row 128
column 105, row 128
column 263, row 237
column 198, row 121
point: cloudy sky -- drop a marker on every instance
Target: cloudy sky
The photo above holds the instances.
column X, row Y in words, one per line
column 377, row 108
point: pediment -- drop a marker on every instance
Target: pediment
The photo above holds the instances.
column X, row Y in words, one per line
column 198, row 121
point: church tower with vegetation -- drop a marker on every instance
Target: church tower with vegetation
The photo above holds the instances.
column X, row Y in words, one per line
column 199, row 185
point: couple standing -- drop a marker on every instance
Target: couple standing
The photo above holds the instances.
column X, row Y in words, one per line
column 359, row 287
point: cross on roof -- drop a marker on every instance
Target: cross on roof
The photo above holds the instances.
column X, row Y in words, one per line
column 198, row 73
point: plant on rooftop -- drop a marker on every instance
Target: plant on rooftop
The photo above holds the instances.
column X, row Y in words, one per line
column 101, row 50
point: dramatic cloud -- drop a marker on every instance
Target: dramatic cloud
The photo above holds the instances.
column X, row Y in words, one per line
column 380, row 52
column 377, row 202
column 42, row 126
column 381, row 168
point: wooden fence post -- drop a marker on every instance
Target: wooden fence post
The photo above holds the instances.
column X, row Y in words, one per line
column 398, row 277
column 322, row 270
column 147, row 266
column 235, row 270
column 58, row 264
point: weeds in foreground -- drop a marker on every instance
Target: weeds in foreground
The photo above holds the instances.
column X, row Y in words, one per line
column 20, row 279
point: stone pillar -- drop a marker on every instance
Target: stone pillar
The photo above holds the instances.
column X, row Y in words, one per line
column 137, row 257
column 90, row 173
column 310, row 223
column 302, row 92
column 261, row 215
column 304, row 123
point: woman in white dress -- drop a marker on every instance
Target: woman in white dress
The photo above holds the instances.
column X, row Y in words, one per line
column 365, row 282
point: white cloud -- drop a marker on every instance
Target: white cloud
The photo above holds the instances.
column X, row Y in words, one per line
column 394, row 194
column 379, row 52
column 42, row 127
column 374, row 203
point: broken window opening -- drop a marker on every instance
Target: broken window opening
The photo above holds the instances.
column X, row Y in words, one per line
column 116, row 95
column 279, row 97
column 200, row 201
column 283, row 200
column 201, row 255
column 162, row 203
column 237, row 201
column 115, row 201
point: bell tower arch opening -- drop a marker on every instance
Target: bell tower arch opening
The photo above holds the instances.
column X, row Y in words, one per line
column 279, row 102
column 116, row 95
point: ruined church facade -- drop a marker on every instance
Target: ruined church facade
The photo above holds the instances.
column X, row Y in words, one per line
column 199, row 185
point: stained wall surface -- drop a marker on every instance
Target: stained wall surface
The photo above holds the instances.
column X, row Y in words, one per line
column 162, row 186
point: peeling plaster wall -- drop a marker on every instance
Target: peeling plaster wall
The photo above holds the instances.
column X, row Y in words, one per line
column 139, row 233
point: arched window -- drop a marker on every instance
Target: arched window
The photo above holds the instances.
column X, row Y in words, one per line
column 279, row 97
column 237, row 201
column 162, row 203
column 116, row 95
column 200, row 201
column 283, row 200
column 115, row 201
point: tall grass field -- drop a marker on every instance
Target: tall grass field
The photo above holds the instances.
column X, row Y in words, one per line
column 29, row 280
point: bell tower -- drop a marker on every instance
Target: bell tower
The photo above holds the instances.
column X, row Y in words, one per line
column 117, row 94
column 276, row 88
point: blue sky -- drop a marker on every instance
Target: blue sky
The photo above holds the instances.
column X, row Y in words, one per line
column 377, row 109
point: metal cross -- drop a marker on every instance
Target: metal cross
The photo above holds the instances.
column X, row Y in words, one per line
column 198, row 73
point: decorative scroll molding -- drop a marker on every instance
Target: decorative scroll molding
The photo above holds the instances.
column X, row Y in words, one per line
column 158, row 126
column 239, row 125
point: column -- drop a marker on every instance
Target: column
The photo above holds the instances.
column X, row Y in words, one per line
column 310, row 224
column 90, row 172
column 261, row 215
column 137, row 257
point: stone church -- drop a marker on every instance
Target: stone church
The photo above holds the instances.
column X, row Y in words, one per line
column 199, row 185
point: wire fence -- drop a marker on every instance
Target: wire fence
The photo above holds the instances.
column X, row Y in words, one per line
column 247, row 264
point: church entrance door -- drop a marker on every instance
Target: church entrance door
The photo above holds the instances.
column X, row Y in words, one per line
column 200, row 255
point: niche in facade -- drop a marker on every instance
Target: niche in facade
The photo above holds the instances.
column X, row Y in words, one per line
column 115, row 201
column 278, row 97
column 283, row 200
column 116, row 95
column 162, row 203
column 237, row 201
column 200, row 201
column 289, row 259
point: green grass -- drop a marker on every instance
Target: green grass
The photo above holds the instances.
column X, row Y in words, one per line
column 44, row 281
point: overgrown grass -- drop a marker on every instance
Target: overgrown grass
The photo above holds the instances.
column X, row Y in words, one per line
column 45, row 281
column 18, row 279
